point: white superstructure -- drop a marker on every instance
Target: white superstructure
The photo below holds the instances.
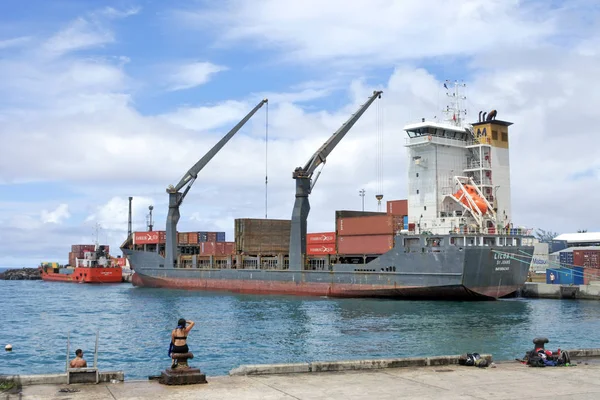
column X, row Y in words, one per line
column 459, row 173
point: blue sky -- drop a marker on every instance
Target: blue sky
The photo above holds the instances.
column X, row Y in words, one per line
column 101, row 100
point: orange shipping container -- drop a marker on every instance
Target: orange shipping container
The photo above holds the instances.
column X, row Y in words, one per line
column 229, row 248
column 182, row 238
column 192, row 237
column 397, row 207
column 146, row 237
column 590, row 274
column 322, row 237
column 212, row 236
column 320, row 249
column 376, row 225
column 366, row 244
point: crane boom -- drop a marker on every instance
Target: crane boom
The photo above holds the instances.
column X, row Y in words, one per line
column 176, row 198
column 321, row 155
column 304, row 184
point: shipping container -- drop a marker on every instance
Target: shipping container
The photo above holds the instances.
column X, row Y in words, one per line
column 557, row 245
column 365, row 244
column 202, row 237
column 566, row 276
column 320, row 249
column 375, row 225
column 397, row 207
column 566, row 258
column 182, row 237
column 146, row 237
column 262, row 236
column 320, row 238
column 221, row 237
column 192, row 237
column 212, row 237
column 229, row 248
column 162, row 236
column 405, row 222
column 72, row 257
column 411, row 226
column 352, row 214
column 586, row 258
column 207, row 249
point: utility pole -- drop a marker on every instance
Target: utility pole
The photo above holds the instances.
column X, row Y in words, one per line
column 361, row 193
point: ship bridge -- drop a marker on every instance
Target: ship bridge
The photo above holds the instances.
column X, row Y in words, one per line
column 458, row 172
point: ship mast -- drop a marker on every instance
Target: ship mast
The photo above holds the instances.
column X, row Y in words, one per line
column 454, row 112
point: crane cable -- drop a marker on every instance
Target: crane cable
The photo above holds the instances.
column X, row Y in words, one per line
column 266, row 159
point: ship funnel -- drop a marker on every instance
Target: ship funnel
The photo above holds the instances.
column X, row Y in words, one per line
column 483, row 117
column 480, row 116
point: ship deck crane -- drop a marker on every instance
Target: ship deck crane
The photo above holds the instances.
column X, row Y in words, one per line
column 176, row 197
column 305, row 184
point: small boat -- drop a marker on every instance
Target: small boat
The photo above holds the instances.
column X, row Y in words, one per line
column 95, row 267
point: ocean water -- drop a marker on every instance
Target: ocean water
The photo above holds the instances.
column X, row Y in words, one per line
column 231, row 329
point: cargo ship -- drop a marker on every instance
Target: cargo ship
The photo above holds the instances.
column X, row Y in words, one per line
column 452, row 239
column 87, row 264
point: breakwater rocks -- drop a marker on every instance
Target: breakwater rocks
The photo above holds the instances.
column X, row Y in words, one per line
column 23, row 274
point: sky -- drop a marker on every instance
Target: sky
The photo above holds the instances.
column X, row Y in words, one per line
column 102, row 100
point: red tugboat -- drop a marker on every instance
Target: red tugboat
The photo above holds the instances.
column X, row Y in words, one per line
column 95, row 267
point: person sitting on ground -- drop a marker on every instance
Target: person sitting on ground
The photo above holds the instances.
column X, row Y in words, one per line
column 78, row 361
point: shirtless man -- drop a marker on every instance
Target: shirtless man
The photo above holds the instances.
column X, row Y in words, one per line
column 78, row 361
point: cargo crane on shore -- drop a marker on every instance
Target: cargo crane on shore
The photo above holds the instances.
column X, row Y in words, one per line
column 176, row 197
column 305, row 184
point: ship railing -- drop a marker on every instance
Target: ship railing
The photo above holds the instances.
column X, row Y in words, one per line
column 478, row 164
column 435, row 139
column 493, row 231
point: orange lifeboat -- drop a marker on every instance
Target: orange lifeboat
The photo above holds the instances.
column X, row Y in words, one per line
column 479, row 202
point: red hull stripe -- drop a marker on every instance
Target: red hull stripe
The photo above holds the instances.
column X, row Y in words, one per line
column 317, row 288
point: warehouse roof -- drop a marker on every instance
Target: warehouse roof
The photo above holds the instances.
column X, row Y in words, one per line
column 585, row 237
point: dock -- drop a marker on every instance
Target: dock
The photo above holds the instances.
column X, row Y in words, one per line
column 557, row 291
column 438, row 379
column 509, row 380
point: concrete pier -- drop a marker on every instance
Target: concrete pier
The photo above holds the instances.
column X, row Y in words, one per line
column 548, row 291
column 509, row 380
column 408, row 378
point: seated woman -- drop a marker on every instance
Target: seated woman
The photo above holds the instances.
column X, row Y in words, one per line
column 179, row 337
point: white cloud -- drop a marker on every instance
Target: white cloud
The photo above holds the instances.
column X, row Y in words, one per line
column 366, row 32
column 80, row 34
column 57, row 216
column 194, row 74
column 14, row 42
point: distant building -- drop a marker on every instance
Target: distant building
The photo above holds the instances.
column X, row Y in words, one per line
column 579, row 239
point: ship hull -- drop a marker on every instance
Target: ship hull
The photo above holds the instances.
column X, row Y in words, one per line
column 85, row 275
column 449, row 274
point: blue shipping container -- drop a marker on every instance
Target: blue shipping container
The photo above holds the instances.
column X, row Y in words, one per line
column 202, row 237
column 566, row 258
column 557, row 245
column 565, row 276
column 220, row 236
column 405, row 222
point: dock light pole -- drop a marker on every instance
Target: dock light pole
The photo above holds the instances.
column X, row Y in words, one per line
column 361, row 193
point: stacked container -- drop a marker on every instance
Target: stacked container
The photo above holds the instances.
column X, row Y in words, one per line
column 367, row 235
column 322, row 243
column 262, row 236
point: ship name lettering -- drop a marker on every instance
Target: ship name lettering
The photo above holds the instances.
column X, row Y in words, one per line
column 502, row 268
column 501, row 256
column 503, row 262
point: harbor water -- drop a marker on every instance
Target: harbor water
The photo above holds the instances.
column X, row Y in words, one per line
column 232, row 329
